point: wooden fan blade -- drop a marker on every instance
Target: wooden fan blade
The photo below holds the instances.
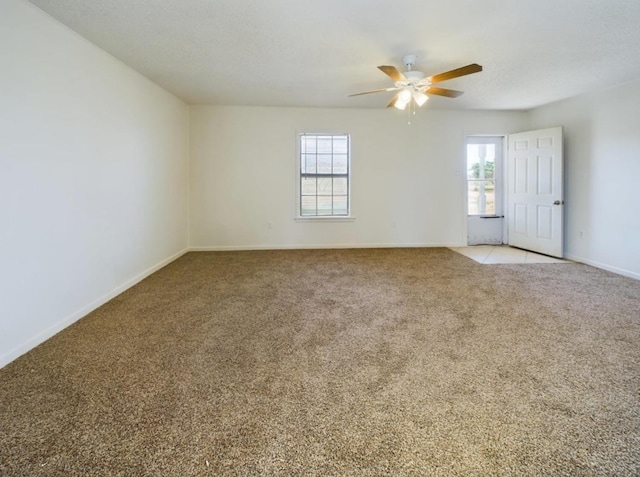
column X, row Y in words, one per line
column 465, row 70
column 393, row 101
column 449, row 93
column 383, row 90
column 392, row 72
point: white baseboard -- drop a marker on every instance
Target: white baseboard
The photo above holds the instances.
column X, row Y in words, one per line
column 238, row 248
column 604, row 266
column 41, row 337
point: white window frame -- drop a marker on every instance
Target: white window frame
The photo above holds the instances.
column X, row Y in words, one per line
column 298, row 159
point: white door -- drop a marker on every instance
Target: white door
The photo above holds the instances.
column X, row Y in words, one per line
column 535, row 197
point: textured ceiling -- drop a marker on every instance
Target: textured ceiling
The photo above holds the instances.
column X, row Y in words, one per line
column 314, row 53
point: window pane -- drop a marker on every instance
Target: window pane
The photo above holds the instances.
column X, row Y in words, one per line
column 340, row 205
column 489, row 168
column 324, row 144
column 481, row 159
column 490, row 197
column 308, row 186
column 308, row 144
column 473, row 162
column 324, row 164
column 339, row 163
column 324, row 186
column 474, row 197
column 489, row 152
column 340, row 185
column 481, row 197
column 308, row 165
column 308, row 205
column 340, row 146
column 324, row 204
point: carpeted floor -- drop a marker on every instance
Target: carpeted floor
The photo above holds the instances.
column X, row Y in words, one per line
column 337, row 362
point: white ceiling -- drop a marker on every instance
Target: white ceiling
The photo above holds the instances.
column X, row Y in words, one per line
column 314, row 53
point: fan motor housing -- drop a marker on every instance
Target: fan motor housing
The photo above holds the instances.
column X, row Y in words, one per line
column 414, row 75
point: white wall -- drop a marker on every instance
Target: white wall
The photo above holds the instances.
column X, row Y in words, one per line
column 407, row 181
column 93, row 177
column 602, row 175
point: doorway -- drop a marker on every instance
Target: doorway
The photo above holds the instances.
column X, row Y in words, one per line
column 485, row 190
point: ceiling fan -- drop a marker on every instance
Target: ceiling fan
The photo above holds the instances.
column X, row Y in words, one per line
column 414, row 85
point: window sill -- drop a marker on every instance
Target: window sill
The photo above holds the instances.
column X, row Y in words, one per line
column 323, row 218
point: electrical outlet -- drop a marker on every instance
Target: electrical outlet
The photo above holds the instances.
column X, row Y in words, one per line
column 581, row 234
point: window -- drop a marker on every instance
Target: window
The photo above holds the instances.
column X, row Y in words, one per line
column 324, row 175
column 483, row 186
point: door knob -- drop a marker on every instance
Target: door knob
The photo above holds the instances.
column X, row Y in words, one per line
column 558, row 202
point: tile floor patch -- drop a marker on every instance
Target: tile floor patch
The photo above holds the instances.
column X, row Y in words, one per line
column 494, row 254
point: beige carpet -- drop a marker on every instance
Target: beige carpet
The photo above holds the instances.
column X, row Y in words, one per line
column 337, row 362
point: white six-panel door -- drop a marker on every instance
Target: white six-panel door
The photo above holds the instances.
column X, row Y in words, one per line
column 534, row 191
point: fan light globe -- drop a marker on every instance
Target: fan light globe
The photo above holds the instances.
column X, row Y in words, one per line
column 404, row 95
column 420, row 98
column 400, row 105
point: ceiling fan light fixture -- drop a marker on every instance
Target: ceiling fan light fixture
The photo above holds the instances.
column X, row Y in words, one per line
column 420, row 98
column 412, row 86
column 405, row 95
column 400, row 105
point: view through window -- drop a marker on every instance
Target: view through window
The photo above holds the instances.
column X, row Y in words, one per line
column 481, row 179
